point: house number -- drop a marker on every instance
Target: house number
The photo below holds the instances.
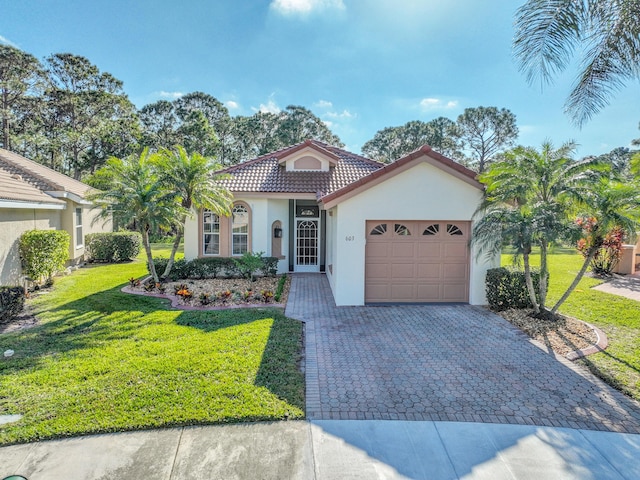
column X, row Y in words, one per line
column 350, row 238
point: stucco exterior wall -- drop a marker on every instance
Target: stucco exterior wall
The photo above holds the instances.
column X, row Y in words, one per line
column 68, row 220
column 13, row 223
column 423, row 192
column 263, row 213
column 331, row 267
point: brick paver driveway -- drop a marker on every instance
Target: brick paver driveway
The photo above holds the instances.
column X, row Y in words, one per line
column 441, row 363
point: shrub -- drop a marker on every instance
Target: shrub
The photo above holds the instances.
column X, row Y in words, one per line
column 11, row 302
column 214, row 267
column 112, row 246
column 43, row 253
column 270, row 266
column 507, row 288
column 249, row 264
column 280, row 288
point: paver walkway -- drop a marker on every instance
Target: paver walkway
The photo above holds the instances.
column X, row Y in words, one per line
column 627, row 286
column 441, row 363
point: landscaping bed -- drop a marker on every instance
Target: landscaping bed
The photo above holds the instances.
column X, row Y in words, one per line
column 564, row 335
column 218, row 292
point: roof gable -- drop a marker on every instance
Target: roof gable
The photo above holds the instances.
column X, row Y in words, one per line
column 423, row 154
column 308, row 156
column 40, row 176
column 269, row 174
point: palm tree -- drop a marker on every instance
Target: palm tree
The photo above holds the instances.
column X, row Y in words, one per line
column 609, row 204
column 193, row 181
column 527, row 197
column 135, row 196
column 513, row 224
column 605, row 32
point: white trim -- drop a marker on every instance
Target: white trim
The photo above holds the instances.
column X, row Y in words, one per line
column 70, row 196
column 279, row 195
column 31, row 205
column 306, row 268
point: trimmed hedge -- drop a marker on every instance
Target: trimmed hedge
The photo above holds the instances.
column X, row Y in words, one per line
column 507, row 288
column 210, row 267
column 112, row 246
column 43, row 253
column 11, row 302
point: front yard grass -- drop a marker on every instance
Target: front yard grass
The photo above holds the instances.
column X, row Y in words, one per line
column 617, row 316
column 103, row 361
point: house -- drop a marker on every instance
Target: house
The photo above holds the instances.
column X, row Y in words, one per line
column 33, row 196
column 396, row 233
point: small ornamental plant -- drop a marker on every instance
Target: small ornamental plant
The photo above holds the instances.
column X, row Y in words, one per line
column 134, row 282
column 160, row 287
column 267, row 296
column 224, row 296
column 608, row 248
column 185, row 293
column 205, row 298
column 177, row 288
column 246, row 296
column 149, row 287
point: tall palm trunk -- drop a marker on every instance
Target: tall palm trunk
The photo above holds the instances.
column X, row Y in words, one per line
column 147, row 249
column 174, row 248
column 544, row 274
column 574, row 284
column 529, row 282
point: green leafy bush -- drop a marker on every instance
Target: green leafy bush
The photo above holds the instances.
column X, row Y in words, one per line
column 249, row 264
column 280, row 289
column 43, row 253
column 112, row 246
column 210, row 267
column 11, row 302
column 270, row 266
column 507, row 288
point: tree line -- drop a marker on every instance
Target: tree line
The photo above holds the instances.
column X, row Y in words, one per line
column 65, row 113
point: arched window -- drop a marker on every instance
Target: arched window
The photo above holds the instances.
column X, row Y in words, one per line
column 210, row 233
column 240, row 229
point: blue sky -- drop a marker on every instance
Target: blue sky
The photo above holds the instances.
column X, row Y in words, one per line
column 360, row 65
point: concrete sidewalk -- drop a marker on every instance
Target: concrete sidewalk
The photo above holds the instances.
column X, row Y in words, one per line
column 333, row 449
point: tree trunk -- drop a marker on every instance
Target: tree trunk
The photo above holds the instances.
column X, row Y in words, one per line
column 147, row 248
column 544, row 274
column 529, row 282
column 174, row 248
column 576, row 280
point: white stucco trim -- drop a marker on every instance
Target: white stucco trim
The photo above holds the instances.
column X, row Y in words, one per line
column 31, row 205
column 70, row 196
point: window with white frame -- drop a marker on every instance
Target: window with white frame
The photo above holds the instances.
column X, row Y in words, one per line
column 79, row 236
column 210, row 233
column 240, row 230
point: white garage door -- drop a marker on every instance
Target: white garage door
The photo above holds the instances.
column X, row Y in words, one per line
column 417, row 261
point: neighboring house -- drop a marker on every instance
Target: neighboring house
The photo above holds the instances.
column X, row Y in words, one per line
column 33, row 196
column 381, row 233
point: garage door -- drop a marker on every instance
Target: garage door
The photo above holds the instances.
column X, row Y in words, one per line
column 417, row 261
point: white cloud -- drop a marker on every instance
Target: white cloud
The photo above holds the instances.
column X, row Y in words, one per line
column 343, row 114
column 431, row 103
column 323, row 104
column 172, row 95
column 270, row 107
column 305, row 7
column 231, row 105
column 6, row 41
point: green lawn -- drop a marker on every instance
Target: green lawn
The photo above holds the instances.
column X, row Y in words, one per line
column 618, row 317
column 104, row 361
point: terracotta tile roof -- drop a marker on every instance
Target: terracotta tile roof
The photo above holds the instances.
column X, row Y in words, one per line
column 39, row 176
column 265, row 175
column 14, row 188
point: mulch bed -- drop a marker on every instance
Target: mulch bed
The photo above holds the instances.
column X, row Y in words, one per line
column 220, row 292
column 563, row 336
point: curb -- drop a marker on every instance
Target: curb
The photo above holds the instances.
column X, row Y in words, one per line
column 601, row 343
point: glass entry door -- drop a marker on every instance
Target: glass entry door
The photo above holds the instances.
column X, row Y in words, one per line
column 307, row 252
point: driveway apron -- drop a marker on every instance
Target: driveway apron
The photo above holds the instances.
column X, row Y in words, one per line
column 441, row 363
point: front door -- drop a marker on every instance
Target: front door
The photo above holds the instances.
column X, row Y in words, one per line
column 307, row 242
